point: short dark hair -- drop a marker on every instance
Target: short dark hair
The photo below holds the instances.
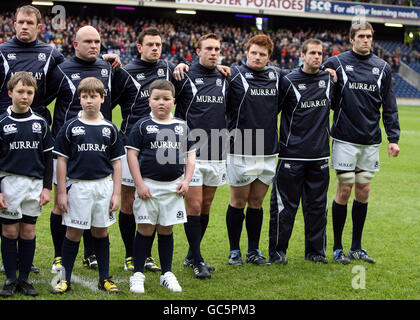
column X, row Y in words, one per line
column 308, row 42
column 25, row 77
column 261, row 40
column 356, row 26
column 148, row 32
column 28, row 9
column 205, row 37
column 162, row 84
column 91, row 84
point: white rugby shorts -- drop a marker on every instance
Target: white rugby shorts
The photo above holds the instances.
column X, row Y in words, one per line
column 209, row 173
column 243, row 170
column 165, row 207
column 22, row 195
column 347, row 156
column 127, row 179
column 88, row 203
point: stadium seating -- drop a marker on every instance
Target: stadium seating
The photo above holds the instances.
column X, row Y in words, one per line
column 403, row 89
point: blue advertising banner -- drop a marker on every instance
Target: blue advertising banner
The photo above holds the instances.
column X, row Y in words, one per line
column 362, row 9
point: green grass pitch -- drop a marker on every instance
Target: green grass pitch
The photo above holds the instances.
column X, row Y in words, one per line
column 391, row 236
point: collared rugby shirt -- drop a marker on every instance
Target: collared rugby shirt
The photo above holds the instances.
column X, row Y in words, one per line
column 23, row 142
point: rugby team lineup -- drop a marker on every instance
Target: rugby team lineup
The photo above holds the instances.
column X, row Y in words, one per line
column 188, row 127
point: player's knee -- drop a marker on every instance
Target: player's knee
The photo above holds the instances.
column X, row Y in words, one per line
column 27, row 231
column 10, row 232
column 361, row 192
column 255, row 202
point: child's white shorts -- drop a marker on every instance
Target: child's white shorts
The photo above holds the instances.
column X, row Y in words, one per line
column 165, row 207
column 88, row 203
column 22, row 195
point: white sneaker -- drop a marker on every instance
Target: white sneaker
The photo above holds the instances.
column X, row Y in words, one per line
column 137, row 282
column 168, row 280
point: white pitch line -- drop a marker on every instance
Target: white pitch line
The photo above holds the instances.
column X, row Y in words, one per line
column 85, row 282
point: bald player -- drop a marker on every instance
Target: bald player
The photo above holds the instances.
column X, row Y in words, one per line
column 63, row 83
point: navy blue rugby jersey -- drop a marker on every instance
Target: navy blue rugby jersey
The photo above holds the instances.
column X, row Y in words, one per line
column 365, row 85
column 89, row 147
column 305, row 109
column 162, row 147
column 63, row 85
column 201, row 101
column 36, row 57
column 131, row 89
column 253, row 107
column 23, row 142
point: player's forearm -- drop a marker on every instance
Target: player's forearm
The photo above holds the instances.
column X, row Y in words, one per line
column 134, row 166
column 189, row 166
column 117, row 176
column 61, row 175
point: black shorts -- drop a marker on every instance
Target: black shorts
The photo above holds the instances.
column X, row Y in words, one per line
column 24, row 219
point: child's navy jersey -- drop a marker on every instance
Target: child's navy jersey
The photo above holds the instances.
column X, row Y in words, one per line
column 161, row 146
column 365, row 84
column 253, row 107
column 36, row 57
column 305, row 108
column 201, row 101
column 131, row 89
column 64, row 82
column 23, row 142
column 89, row 147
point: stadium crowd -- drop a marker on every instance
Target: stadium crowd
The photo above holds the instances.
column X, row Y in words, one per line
column 180, row 40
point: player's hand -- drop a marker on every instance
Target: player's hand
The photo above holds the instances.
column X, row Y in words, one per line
column 179, row 71
column 113, row 59
column 182, row 188
column 115, row 203
column 225, row 70
column 332, row 73
column 3, row 204
column 393, row 150
column 62, row 202
column 143, row 192
column 45, row 197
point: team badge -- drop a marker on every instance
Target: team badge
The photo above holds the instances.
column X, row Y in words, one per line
column 42, row 57
column 271, row 75
column 179, row 130
column 160, row 73
column 104, row 72
column 180, row 215
column 218, row 82
column 36, row 127
column 375, row 71
column 321, row 84
column 106, row 132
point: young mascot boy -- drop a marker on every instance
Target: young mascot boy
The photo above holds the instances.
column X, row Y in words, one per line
column 88, row 151
column 26, row 177
column 156, row 158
